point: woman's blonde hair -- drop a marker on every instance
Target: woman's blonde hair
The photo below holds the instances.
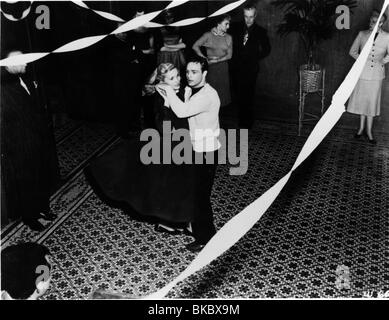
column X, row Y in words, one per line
column 163, row 69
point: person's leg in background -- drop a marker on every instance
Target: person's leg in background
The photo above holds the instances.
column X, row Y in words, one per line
column 148, row 112
column 361, row 126
column 128, row 96
column 369, row 129
column 246, row 96
column 148, row 65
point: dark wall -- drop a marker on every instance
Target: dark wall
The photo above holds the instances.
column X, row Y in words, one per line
column 277, row 84
column 77, row 82
column 80, row 76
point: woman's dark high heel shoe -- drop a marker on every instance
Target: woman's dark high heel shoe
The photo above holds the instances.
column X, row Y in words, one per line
column 34, row 224
column 49, row 216
column 372, row 141
column 358, row 136
column 187, row 232
column 160, row 228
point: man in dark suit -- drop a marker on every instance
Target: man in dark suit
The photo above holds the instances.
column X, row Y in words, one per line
column 250, row 45
column 28, row 156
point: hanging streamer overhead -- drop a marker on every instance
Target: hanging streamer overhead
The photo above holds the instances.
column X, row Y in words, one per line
column 112, row 17
column 106, row 15
column 127, row 26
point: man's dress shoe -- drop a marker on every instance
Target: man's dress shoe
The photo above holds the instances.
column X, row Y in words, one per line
column 34, row 224
column 49, row 216
column 195, row 246
column 372, row 141
column 160, row 228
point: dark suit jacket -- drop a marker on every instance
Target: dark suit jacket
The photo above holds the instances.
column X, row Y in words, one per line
column 256, row 48
column 29, row 167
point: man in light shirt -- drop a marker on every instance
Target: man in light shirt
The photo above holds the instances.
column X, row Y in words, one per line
column 251, row 45
column 201, row 105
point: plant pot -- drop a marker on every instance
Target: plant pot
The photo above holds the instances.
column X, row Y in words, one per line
column 311, row 79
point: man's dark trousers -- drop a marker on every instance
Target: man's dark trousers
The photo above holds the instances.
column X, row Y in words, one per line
column 203, row 227
column 245, row 78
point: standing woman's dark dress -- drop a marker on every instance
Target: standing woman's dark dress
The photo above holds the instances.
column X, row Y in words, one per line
column 141, row 42
column 159, row 190
column 171, row 36
column 27, row 152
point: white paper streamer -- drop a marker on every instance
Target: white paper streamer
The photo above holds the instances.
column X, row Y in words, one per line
column 105, row 15
column 130, row 25
column 239, row 225
column 79, row 44
column 112, row 17
column 227, row 236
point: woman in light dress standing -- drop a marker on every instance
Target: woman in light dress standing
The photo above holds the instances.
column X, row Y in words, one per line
column 366, row 97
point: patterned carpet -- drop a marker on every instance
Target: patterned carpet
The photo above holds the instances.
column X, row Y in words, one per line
column 334, row 211
column 76, row 143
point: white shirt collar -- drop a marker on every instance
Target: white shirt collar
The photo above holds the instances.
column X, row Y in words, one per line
column 24, row 85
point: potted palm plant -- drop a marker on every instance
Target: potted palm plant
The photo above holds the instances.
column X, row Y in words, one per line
column 314, row 21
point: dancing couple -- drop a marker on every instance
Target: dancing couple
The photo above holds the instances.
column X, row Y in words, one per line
column 176, row 196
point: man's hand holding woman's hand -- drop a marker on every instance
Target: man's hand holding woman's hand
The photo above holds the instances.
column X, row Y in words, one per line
column 164, row 89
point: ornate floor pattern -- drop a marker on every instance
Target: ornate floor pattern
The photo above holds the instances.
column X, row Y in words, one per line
column 64, row 126
column 81, row 145
column 334, row 211
column 76, row 142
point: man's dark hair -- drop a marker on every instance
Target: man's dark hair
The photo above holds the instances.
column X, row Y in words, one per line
column 250, row 5
column 18, row 268
column 197, row 59
column 376, row 12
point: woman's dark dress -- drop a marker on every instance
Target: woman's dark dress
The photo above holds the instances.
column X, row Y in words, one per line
column 171, row 36
column 161, row 190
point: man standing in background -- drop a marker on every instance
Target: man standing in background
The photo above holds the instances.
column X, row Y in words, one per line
column 29, row 165
column 250, row 45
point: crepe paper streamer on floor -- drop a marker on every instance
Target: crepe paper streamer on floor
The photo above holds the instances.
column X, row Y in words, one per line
column 125, row 27
column 239, row 225
column 24, row 14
